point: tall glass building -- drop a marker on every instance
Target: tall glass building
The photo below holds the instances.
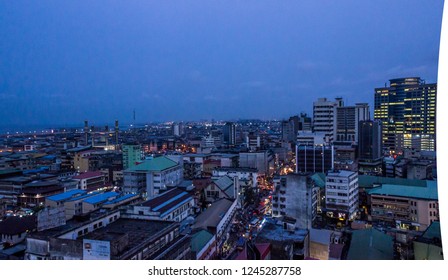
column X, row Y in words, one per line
column 407, row 110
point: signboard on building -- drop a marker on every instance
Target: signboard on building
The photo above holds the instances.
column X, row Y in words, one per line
column 95, row 249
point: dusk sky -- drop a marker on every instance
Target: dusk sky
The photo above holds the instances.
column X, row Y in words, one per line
column 62, row 62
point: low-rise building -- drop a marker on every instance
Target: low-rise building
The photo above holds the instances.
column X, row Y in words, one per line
column 152, row 176
column 341, row 195
column 287, row 242
column 107, row 236
column 217, row 219
column 203, row 245
column 90, row 180
column 405, row 206
column 172, row 205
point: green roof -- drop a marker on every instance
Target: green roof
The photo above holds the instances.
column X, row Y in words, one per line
column 371, row 244
column 200, row 239
column 155, row 164
column 429, row 192
column 429, row 245
column 433, row 231
column 366, row 181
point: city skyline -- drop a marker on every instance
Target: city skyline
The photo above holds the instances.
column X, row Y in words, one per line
column 67, row 62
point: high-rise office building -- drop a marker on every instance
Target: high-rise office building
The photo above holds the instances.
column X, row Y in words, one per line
column 370, row 147
column 229, row 134
column 347, row 120
column 323, row 115
column 131, row 155
column 407, row 109
column 369, row 144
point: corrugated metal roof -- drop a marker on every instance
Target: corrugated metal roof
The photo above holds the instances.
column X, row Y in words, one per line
column 122, row 198
column 429, row 192
column 100, row 197
column 155, row 164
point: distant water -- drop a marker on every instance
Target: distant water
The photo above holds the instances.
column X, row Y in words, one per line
column 11, row 129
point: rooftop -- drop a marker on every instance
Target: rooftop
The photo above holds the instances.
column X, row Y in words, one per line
column 274, row 231
column 155, row 164
column 371, row 244
column 166, row 201
column 139, row 232
column 67, row 195
column 211, row 217
column 237, row 169
column 225, row 184
column 102, row 197
column 429, row 192
column 341, row 173
column 88, row 174
column 200, row 239
column 121, row 198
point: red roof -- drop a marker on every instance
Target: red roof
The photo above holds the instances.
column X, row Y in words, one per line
column 264, row 249
column 88, row 174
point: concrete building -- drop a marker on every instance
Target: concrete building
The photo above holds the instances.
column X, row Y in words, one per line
column 33, row 194
column 229, row 134
column 217, row 219
column 296, row 197
column 263, row 161
column 152, row 176
column 407, row 109
column 309, row 138
column 221, row 187
column 341, row 195
column 346, row 122
column 287, row 242
column 406, row 207
column 173, row 205
column 324, row 114
column 322, row 243
column 420, row 169
column 107, row 236
column 132, row 154
column 90, row 180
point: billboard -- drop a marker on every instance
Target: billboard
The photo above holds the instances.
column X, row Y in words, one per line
column 95, row 249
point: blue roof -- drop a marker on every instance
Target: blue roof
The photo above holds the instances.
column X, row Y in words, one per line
column 100, row 197
column 84, row 196
column 48, row 157
column 175, row 207
column 124, row 197
column 66, row 195
column 37, row 170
